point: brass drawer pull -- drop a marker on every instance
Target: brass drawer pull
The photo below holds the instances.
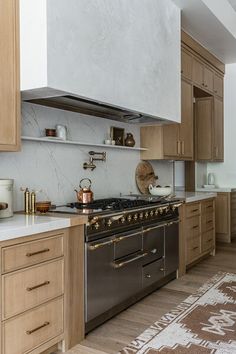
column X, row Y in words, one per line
column 38, row 252
column 210, row 221
column 194, row 210
column 38, row 286
column 38, row 328
column 209, row 206
column 210, row 239
column 194, row 248
column 195, row 226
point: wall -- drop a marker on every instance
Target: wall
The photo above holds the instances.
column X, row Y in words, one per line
column 226, row 172
column 57, row 169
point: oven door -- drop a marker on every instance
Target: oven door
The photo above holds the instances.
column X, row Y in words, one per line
column 153, row 242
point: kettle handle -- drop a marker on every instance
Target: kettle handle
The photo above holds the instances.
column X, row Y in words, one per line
column 84, row 179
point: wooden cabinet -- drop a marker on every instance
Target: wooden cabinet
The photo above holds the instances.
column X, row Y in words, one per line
column 171, row 141
column 186, row 64
column 42, row 287
column 197, row 232
column 218, row 85
column 209, row 129
column 10, row 115
column 225, row 216
column 203, row 75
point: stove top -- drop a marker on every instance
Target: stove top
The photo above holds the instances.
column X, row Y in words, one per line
column 111, row 205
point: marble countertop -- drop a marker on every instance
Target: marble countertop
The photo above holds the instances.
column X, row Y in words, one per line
column 217, row 189
column 190, row 197
column 21, row 225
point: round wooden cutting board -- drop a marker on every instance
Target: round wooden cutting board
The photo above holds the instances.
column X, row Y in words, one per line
column 144, row 176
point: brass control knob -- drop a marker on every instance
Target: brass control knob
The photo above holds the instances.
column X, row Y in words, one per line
column 135, row 217
column 109, row 223
column 93, row 221
column 122, row 219
column 97, row 225
column 156, row 212
column 141, row 216
column 146, row 214
column 151, row 213
column 129, row 218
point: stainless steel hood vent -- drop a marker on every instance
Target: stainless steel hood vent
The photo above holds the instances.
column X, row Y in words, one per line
column 82, row 105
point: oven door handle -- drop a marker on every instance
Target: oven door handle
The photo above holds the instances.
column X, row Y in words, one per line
column 153, row 228
column 122, row 264
column 99, row 245
column 121, row 238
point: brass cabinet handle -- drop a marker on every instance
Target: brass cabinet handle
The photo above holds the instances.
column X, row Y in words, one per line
column 148, row 276
column 182, row 148
column 178, row 147
column 38, row 328
column 38, row 286
column 209, row 206
column 210, row 221
column 195, row 226
column 210, row 239
column 162, row 269
column 30, row 254
column 99, row 245
column 193, row 211
column 123, row 263
column 194, row 248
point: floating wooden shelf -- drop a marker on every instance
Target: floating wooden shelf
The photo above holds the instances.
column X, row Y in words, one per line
column 69, row 142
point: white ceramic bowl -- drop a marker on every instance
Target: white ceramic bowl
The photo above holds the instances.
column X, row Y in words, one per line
column 159, row 191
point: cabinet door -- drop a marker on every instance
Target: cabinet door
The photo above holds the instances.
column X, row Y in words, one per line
column 186, row 64
column 218, row 124
column 186, row 126
column 203, row 131
column 9, row 76
column 223, row 217
column 198, row 72
column 171, row 143
column 218, row 85
column 208, row 78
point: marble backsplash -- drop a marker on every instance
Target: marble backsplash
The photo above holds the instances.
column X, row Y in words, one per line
column 57, row 169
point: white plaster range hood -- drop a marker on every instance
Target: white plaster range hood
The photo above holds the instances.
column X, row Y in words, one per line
column 114, row 59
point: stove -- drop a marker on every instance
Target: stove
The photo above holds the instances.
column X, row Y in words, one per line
column 110, row 215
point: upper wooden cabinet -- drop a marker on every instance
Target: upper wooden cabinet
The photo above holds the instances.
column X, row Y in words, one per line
column 218, row 85
column 172, row 141
column 9, row 76
column 203, row 75
column 186, row 64
column 209, row 129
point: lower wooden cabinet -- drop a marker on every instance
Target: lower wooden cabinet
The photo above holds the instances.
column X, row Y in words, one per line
column 225, row 216
column 197, row 232
column 42, row 292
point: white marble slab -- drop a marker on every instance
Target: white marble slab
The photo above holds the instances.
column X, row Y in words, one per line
column 190, row 197
column 217, row 189
column 25, row 225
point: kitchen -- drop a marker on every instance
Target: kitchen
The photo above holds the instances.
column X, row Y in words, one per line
column 116, row 71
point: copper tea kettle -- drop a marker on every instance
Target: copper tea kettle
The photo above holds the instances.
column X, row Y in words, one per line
column 85, row 195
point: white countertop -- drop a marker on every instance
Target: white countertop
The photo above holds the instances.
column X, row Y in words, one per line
column 217, row 189
column 190, row 197
column 25, row 225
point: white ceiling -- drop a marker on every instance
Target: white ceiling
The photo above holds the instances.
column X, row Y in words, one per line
column 213, row 24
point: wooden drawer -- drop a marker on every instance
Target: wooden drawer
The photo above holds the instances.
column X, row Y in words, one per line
column 25, row 289
column 207, row 207
column 192, row 249
column 29, row 253
column 153, row 272
column 207, row 222
column 193, row 227
column 208, row 241
column 192, row 210
column 33, row 328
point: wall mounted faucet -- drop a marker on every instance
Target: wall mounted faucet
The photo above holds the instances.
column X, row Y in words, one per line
column 93, row 158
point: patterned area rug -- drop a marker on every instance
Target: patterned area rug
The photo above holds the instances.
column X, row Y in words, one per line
column 204, row 323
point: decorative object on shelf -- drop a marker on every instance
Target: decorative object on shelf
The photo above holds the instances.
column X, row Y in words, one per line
column 29, row 200
column 6, row 198
column 145, row 176
column 91, row 164
column 211, row 178
column 61, row 131
column 84, row 195
column 129, row 140
column 109, row 142
column 118, row 134
column 43, row 207
column 159, row 190
column 50, row 132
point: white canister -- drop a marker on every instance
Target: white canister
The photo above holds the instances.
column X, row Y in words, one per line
column 61, row 131
column 6, row 197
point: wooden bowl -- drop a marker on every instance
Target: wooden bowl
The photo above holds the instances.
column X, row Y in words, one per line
column 43, row 207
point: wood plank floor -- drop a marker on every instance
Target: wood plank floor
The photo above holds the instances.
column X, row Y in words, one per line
column 122, row 329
